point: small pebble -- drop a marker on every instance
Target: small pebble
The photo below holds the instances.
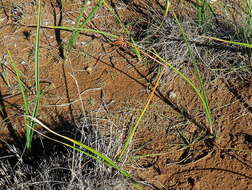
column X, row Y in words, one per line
column 172, row 94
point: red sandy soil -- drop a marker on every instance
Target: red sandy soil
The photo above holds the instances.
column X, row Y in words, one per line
column 96, row 63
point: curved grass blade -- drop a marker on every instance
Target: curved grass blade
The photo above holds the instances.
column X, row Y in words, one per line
column 22, row 88
column 199, row 76
column 165, row 63
column 194, row 87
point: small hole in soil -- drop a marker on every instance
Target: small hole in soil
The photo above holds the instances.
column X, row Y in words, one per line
column 191, row 181
column 222, row 156
column 248, row 139
column 27, row 34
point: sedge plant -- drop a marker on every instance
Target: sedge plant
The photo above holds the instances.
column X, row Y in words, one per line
column 203, row 99
column 29, row 131
column 200, row 90
column 29, row 124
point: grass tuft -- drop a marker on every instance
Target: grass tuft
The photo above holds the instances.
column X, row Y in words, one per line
column 86, row 150
column 63, row 168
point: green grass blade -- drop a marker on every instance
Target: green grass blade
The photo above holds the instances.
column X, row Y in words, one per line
column 76, row 33
column 83, row 29
column 247, row 45
column 166, row 11
column 135, row 49
column 22, row 89
column 29, row 132
column 198, row 75
column 202, row 6
column 167, row 7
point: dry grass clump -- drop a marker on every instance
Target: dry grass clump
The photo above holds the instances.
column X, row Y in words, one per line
column 215, row 59
column 52, row 166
